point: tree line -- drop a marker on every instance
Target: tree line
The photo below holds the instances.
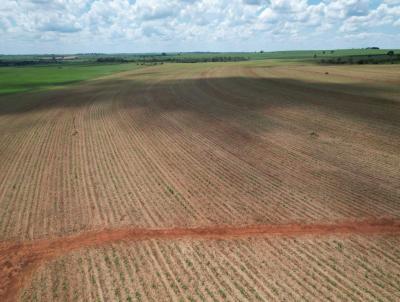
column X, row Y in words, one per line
column 165, row 59
column 390, row 57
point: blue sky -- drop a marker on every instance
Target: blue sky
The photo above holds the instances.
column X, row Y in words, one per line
column 73, row 26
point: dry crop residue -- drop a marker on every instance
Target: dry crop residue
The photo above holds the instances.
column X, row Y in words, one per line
column 18, row 261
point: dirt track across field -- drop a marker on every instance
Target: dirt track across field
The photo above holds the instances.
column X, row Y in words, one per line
column 18, row 261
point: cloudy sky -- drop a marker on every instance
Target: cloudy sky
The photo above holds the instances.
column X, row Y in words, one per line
column 71, row 26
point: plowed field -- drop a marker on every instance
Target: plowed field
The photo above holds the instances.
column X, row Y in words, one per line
column 301, row 162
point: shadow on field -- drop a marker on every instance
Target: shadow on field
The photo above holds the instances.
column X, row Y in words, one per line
column 230, row 98
column 318, row 139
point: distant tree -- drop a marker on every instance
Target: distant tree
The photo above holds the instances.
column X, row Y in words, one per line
column 163, row 54
column 390, row 53
column 261, row 51
column 323, row 52
column 332, row 51
column 315, row 55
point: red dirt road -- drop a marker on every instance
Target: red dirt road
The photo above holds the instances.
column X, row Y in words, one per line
column 18, row 261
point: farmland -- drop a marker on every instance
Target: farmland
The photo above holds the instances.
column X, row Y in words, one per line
column 210, row 146
column 28, row 78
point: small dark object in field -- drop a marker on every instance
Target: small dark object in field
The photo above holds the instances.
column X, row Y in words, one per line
column 326, row 72
column 74, row 133
column 314, row 134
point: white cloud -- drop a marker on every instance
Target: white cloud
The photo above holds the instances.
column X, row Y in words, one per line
column 138, row 25
column 392, row 2
column 382, row 15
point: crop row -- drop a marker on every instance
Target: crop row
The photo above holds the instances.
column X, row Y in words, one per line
column 307, row 269
column 189, row 147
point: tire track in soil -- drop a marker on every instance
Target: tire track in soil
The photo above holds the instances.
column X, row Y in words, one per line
column 19, row 260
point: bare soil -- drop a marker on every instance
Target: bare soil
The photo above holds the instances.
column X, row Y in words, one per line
column 166, row 152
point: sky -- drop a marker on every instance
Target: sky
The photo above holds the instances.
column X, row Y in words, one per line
column 127, row 26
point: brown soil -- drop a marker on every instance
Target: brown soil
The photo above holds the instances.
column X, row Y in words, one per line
column 184, row 146
column 19, row 260
column 156, row 153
